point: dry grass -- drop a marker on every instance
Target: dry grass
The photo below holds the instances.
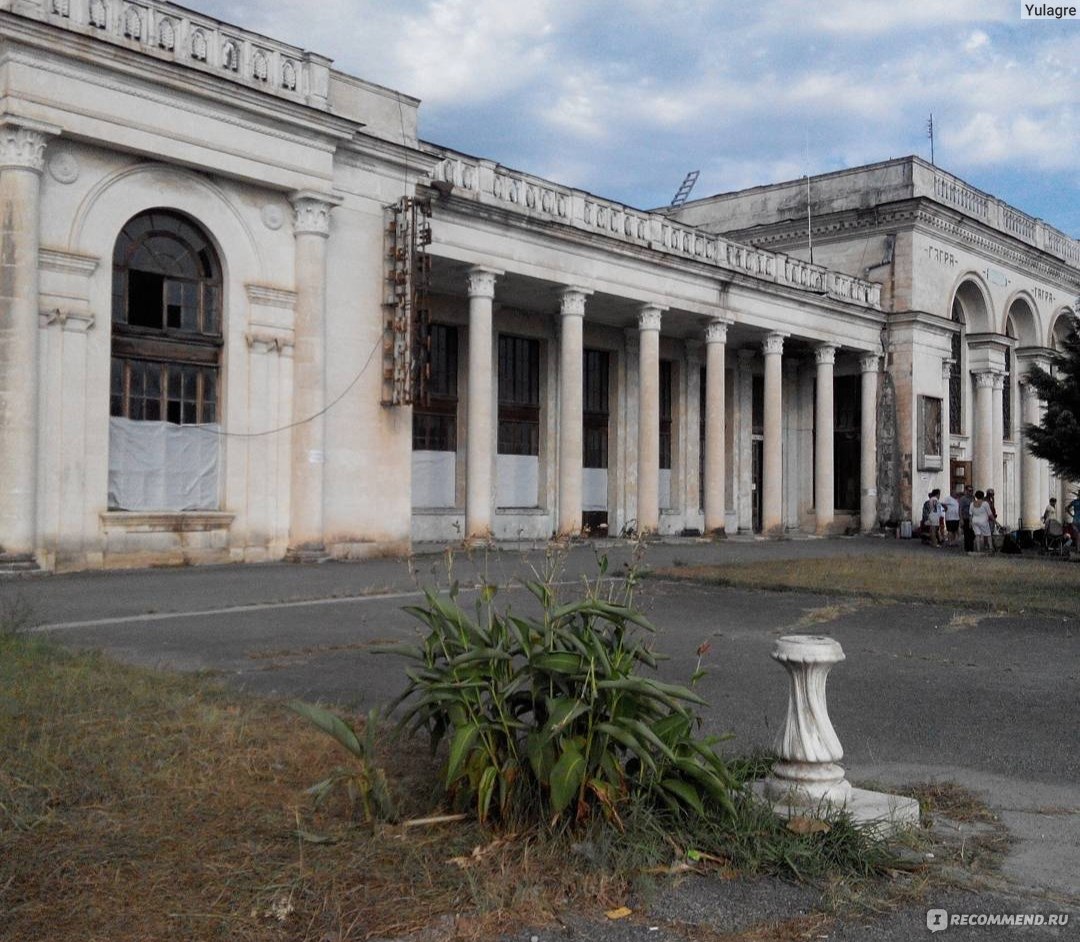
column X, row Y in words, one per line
column 136, row 805
column 986, row 584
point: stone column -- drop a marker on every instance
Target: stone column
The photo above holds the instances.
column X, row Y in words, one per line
column 772, row 453
column 571, row 378
column 311, row 231
column 997, row 469
column 690, row 435
column 868, row 365
column 715, row 497
column 22, row 159
column 745, row 494
column 1031, row 502
column 982, row 469
column 648, row 496
column 946, row 438
column 479, row 454
column 824, row 486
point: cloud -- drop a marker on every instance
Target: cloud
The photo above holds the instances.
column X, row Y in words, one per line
column 622, row 97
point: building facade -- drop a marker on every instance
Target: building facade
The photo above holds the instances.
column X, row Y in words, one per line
column 247, row 314
column 976, row 292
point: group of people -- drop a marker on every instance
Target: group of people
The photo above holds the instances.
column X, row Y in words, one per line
column 974, row 513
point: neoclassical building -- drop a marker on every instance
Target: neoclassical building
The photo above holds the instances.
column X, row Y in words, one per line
column 976, row 292
column 247, row 314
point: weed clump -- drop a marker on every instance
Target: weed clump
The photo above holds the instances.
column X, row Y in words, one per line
column 548, row 714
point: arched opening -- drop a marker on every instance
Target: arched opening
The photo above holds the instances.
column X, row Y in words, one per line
column 959, row 366
column 166, row 360
column 1008, row 392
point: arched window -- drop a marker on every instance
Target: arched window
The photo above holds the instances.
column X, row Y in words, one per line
column 956, row 382
column 166, row 359
column 1007, row 391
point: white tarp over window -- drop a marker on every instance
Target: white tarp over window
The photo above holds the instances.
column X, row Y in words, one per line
column 161, row 466
column 433, row 477
column 517, row 479
column 594, row 488
column 664, row 502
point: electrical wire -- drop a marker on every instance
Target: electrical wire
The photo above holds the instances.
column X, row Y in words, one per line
column 378, row 343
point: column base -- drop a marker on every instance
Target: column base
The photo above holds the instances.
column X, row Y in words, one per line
column 879, row 813
column 307, row 554
column 720, row 533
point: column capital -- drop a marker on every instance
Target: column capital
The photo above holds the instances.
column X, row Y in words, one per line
column 1028, row 389
column 22, row 144
column 984, row 379
column 869, row 363
column 311, row 212
column 649, row 316
column 773, row 344
column 825, row 354
column 946, row 369
column 572, row 301
column 481, row 282
column 716, row 330
column 998, row 379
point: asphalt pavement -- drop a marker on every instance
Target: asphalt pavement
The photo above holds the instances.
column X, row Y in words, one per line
column 927, row 693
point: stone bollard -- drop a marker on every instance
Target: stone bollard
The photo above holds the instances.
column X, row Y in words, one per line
column 807, row 779
column 808, row 747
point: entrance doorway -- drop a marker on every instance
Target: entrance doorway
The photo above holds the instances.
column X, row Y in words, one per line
column 758, row 452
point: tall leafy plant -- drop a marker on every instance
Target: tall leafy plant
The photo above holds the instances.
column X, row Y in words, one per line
column 550, row 714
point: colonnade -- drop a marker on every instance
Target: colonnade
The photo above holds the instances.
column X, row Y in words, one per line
column 482, row 420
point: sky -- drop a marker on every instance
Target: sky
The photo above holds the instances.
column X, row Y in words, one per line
column 623, row 97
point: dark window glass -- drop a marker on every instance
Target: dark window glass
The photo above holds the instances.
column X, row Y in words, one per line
column 757, row 410
column 596, row 382
column 166, row 335
column 435, row 423
column 701, row 438
column 956, row 387
column 519, row 396
column 847, row 439
column 667, row 410
column 1006, row 397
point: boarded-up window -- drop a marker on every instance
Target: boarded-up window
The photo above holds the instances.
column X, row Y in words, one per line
column 596, row 408
column 435, row 422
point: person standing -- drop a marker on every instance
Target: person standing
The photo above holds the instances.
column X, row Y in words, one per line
column 951, row 508
column 965, row 518
column 1050, row 513
column 1072, row 509
column 982, row 522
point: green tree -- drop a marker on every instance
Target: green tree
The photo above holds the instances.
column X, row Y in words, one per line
column 1057, row 438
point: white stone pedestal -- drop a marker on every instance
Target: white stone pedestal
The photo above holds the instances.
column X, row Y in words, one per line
column 808, row 780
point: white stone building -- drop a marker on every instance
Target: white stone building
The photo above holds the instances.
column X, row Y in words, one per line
column 225, row 265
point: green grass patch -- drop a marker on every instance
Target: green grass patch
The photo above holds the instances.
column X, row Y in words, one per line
column 1012, row 585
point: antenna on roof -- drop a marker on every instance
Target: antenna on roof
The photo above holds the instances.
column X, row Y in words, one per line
column 930, row 134
column 684, row 191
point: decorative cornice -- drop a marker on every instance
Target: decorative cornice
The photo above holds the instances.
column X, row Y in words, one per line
column 650, row 316
column 572, row 301
column 825, row 354
column 481, row 282
column 68, row 263
column 773, row 344
column 268, row 296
